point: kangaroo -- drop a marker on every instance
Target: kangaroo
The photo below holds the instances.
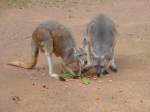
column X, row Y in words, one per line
column 99, row 41
column 52, row 37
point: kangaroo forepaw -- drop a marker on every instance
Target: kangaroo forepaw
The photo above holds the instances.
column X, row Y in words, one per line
column 61, row 78
column 99, row 73
column 114, row 69
column 105, row 72
column 84, row 70
column 76, row 77
column 56, row 76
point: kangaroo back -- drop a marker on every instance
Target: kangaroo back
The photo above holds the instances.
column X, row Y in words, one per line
column 101, row 32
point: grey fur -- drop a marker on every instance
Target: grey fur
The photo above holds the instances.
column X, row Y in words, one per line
column 100, row 38
column 52, row 37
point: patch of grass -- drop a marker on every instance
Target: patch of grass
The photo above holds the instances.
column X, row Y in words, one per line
column 19, row 3
column 39, row 3
column 85, row 81
column 48, row 3
column 68, row 75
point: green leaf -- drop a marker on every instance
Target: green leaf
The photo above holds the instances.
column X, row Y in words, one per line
column 85, row 81
column 68, row 75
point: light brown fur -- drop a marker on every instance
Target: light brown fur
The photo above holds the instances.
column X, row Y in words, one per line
column 51, row 37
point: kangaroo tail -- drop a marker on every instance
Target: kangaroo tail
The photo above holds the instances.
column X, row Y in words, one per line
column 21, row 64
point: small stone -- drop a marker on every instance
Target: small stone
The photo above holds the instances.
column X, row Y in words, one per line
column 80, row 84
column 99, row 87
column 97, row 98
column 120, row 91
column 33, row 84
column 16, row 99
column 66, row 86
column 110, row 80
column 112, row 97
column 13, row 99
column 44, row 86
column 70, row 16
column 20, row 8
column 95, row 78
column 69, row 10
column 100, row 81
column 141, row 101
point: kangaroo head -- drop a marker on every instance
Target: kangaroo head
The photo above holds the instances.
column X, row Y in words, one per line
column 80, row 55
column 102, row 62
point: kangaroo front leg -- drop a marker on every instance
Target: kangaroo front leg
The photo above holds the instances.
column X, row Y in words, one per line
column 80, row 69
column 87, row 49
column 48, row 49
column 50, row 69
column 87, row 68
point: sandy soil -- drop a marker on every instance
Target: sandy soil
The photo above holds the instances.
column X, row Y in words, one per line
column 34, row 91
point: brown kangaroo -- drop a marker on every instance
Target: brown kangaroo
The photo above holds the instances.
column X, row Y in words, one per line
column 52, row 37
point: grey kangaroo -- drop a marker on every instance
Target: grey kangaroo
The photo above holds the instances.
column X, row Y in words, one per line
column 99, row 41
column 52, row 37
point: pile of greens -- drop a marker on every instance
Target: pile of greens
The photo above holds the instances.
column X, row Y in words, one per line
column 68, row 75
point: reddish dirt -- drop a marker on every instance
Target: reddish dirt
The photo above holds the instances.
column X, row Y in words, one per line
column 34, row 91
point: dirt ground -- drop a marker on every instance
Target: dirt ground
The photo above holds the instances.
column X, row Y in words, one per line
column 128, row 90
